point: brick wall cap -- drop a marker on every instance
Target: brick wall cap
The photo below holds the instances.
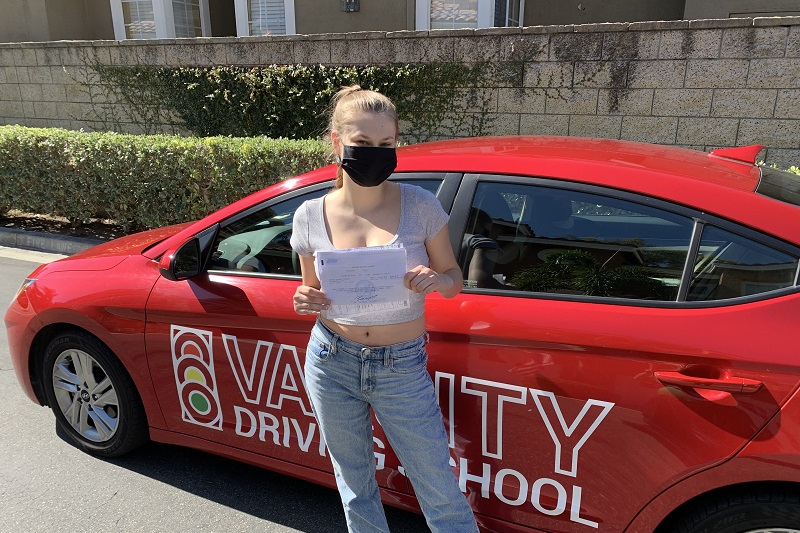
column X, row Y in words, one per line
column 563, row 28
column 54, row 44
column 221, row 40
column 80, row 44
column 406, row 34
column 659, row 25
column 327, row 37
column 702, row 24
column 355, row 35
column 253, row 39
column 776, row 21
column 293, row 38
column 601, row 27
column 513, row 30
column 462, row 32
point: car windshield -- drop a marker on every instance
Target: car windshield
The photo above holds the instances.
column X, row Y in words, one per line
column 783, row 186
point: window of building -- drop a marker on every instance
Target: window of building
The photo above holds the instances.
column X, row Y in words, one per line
column 267, row 17
column 457, row 14
column 264, row 17
column 140, row 22
column 188, row 22
column 160, row 19
column 508, row 13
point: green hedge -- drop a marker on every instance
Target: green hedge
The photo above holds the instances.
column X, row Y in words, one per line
column 140, row 181
column 433, row 100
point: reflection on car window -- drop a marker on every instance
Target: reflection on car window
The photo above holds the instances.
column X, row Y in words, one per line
column 431, row 185
column 783, row 186
column 730, row 266
column 259, row 242
column 541, row 239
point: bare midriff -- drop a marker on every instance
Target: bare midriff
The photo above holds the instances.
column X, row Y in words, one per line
column 381, row 335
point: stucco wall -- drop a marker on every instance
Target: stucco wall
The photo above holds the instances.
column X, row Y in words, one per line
column 711, row 9
column 701, row 84
column 23, row 20
column 79, row 19
column 52, row 20
column 545, row 12
column 311, row 16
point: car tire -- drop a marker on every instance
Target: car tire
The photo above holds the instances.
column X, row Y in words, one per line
column 755, row 510
column 92, row 396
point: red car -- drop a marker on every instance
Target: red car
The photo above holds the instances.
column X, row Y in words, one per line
column 623, row 357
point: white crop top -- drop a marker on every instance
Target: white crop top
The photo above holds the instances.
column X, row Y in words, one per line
column 421, row 218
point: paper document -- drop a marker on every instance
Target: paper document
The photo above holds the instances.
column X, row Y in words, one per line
column 359, row 281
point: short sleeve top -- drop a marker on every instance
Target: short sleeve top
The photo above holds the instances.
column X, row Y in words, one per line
column 421, row 218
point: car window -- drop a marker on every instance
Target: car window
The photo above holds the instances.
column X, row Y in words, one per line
column 541, row 239
column 431, row 185
column 783, row 186
column 258, row 242
column 731, row 266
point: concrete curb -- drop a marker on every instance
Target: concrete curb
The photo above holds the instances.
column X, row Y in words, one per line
column 45, row 242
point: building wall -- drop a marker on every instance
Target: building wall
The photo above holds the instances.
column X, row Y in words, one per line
column 382, row 15
column 717, row 9
column 701, row 84
column 79, row 20
column 23, row 20
column 548, row 12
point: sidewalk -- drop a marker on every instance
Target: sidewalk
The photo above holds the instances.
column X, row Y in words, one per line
column 45, row 242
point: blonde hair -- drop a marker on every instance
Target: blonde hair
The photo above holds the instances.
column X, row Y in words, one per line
column 350, row 101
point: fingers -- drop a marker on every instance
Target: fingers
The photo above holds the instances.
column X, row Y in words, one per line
column 310, row 301
column 422, row 280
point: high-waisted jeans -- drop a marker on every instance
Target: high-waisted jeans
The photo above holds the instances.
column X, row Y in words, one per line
column 344, row 379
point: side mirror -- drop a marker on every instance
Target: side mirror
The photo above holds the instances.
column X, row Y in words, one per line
column 183, row 263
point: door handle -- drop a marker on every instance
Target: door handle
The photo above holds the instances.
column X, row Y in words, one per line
column 724, row 383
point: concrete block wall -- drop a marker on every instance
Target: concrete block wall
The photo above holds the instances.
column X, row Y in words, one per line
column 700, row 83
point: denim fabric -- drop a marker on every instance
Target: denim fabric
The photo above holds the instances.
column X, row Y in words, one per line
column 344, row 379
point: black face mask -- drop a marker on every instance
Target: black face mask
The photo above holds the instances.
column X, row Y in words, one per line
column 369, row 166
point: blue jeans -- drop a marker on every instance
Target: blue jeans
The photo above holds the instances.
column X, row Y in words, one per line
column 344, row 379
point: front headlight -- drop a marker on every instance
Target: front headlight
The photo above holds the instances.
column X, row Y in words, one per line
column 25, row 284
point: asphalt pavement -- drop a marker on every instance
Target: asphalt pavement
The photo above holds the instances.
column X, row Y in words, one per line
column 47, row 485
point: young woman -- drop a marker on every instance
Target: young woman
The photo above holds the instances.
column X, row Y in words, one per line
column 378, row 360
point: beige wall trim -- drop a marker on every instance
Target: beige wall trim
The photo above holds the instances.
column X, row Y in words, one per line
column 700, row 83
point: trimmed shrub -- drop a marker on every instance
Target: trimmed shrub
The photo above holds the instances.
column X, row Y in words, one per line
column 435, row 100
column 140, row 181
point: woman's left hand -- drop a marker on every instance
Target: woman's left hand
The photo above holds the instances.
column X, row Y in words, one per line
column 424, row 280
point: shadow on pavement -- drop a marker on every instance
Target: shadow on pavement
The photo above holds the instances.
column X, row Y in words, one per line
column 255, row 491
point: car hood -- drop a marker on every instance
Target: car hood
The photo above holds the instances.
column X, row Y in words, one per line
column 110, row 254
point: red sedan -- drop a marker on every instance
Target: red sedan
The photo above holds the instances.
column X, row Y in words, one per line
column 623, row 356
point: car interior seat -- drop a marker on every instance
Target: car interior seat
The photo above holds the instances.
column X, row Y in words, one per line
column 552, row 217
column 503, row 229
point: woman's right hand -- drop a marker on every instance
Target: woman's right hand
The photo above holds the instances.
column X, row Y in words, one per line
column 310, row 301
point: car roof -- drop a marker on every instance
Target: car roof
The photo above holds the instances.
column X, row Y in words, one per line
column 561, row 157
column 690, row 177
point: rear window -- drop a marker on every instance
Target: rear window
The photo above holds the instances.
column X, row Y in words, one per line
column 783, row 186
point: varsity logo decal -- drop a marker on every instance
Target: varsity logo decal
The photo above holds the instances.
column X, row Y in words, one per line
column 193, row 361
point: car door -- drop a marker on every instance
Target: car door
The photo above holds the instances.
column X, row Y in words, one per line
column 572, row 372
column 226, row 348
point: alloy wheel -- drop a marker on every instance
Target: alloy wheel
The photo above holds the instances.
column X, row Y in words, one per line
column 86, row 395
